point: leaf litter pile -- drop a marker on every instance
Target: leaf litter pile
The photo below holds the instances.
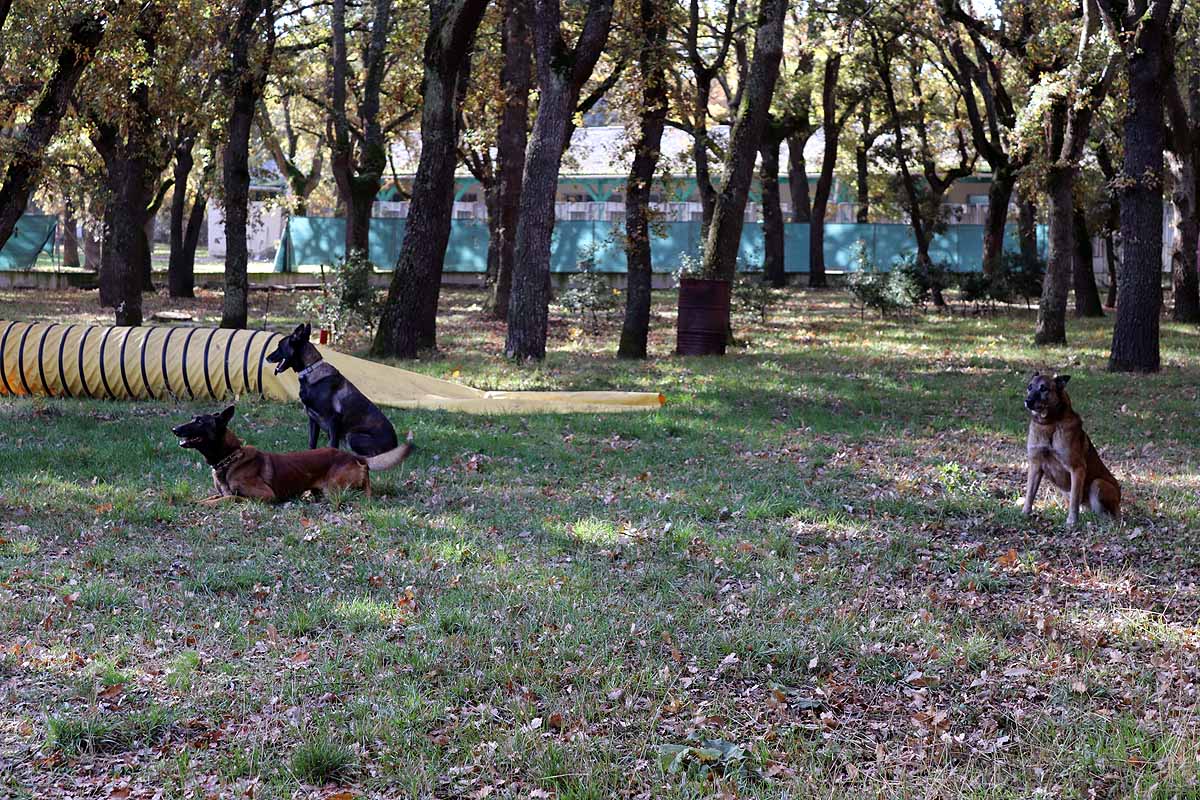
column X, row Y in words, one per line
column 807, row 576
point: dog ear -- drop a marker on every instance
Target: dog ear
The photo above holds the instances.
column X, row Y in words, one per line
column 227, row 414
column 1060, row 381
column 307, row 330
column 300, row 333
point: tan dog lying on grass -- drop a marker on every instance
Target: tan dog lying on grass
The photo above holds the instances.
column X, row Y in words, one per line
column 1059, row 449
column 243, row 471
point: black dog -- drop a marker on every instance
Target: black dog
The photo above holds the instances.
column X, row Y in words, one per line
column 335, row 405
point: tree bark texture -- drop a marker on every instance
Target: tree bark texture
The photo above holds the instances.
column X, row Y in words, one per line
column 511, row 138
column 772, row 214
column 635, row 328
column 1135, row 343
column 358, row 178
column 243, row 81
column 561, row 72
column 724, row 234
column 25, row 166
column 832, row 129
column 1087, row 296
column 180, row 271
column 408, row 324
column 1052, row 309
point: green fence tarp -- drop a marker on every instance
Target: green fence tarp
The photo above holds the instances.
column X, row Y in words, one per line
column 311, row 241
column 32, row 236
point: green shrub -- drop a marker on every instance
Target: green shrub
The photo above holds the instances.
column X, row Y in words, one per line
column 871, row 288
column 919, row 281
column 1017, row 278
column 754, row 297
column 589, row 296
column 347, row 302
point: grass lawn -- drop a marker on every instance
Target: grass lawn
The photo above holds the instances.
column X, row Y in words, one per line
column 806, row 576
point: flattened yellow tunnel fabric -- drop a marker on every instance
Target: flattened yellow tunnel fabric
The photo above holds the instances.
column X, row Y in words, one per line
column 57, row 360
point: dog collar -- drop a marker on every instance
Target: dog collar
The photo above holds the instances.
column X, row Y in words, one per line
column 228, row 460
column 305, row 372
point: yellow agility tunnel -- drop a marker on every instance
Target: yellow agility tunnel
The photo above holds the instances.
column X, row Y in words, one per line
column 185, row 363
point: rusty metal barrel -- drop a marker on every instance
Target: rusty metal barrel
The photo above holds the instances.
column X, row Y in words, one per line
column 703, row 317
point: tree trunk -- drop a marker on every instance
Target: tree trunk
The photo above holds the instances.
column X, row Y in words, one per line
column 125, row 239
column 24, row 169
column 829, row 124
column 70, row 257
column 999, row 196
column 491, row 200
column 772, row 213
column 704, row 185
column 862, row 180
column 243, row 82
column 179, row 282
column 147, row 265
column 725, row 233
column 1027, row 232
column 511, row 138
column 358, row 180
column 409, row 320
column 1087, row 297
column 191, row 238
column 529, row 294
column 1135, row 343
column 562, row 72
column 92, row 239
column 236, row 176
column 1052, row 309
column 798, row 179
column 635, row 328
column 1184, row 278
column 1110, row 256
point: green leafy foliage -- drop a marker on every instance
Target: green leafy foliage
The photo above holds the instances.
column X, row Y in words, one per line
column 590, row 297
column 347, row 304
column 754, row 297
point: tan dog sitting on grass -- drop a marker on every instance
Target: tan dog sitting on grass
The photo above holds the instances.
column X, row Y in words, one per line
column 1059, row 449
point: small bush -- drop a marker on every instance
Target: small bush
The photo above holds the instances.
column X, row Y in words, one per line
column 1014, row 279
column 918, row 281
column 347, row 302
column 754, row 297
column 589, row 296
column 977, row 288
column 1018, row 278
column 873, row 289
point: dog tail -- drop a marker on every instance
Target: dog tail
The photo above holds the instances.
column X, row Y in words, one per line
column 392, row 457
